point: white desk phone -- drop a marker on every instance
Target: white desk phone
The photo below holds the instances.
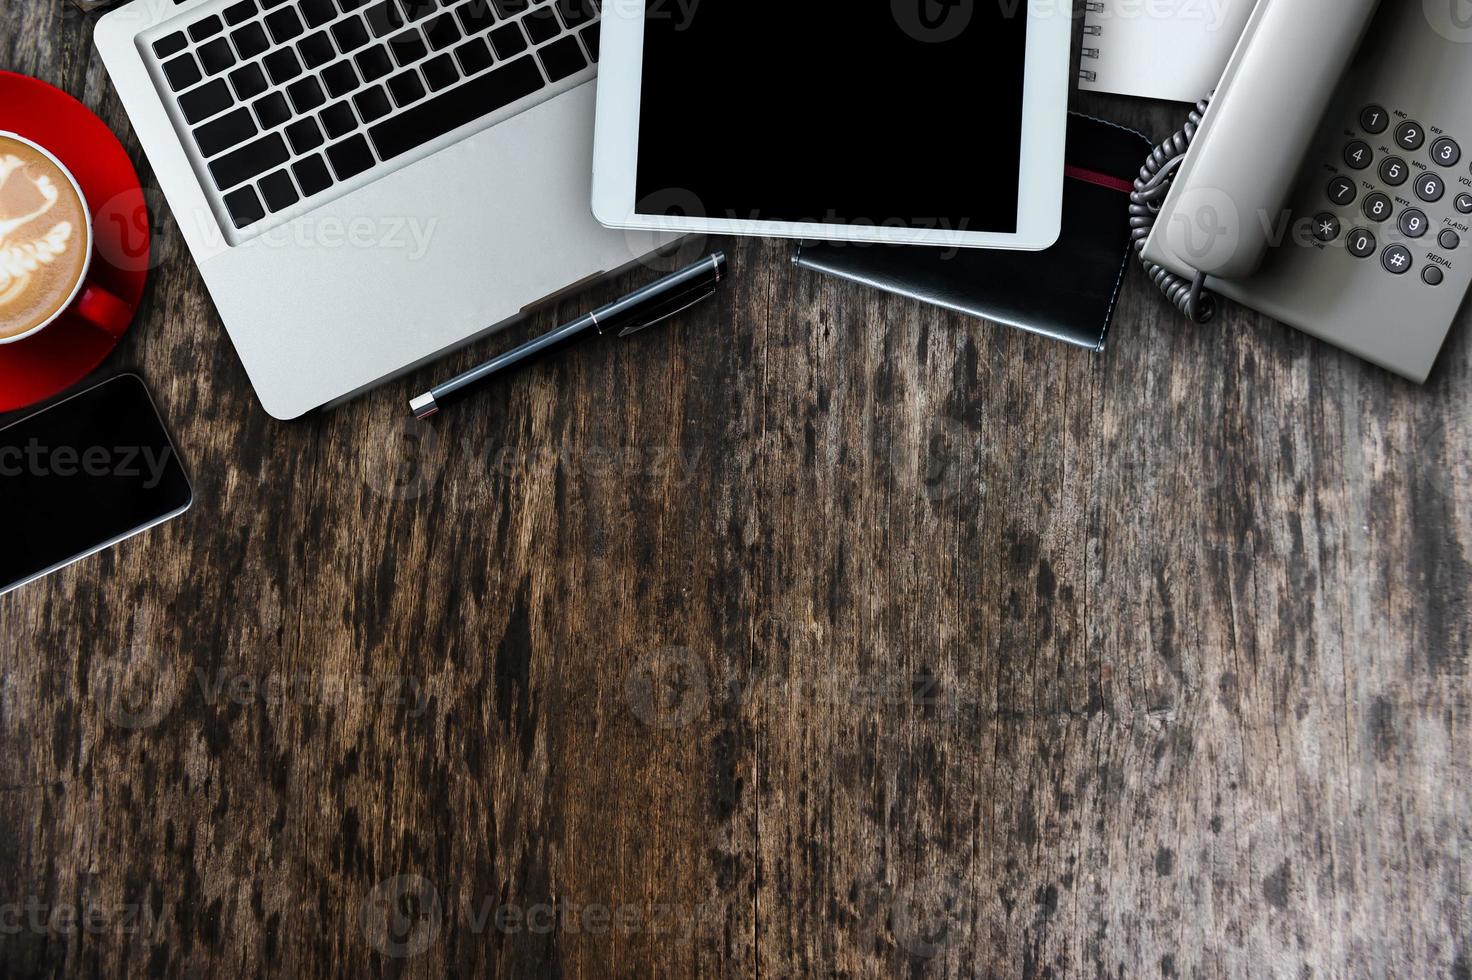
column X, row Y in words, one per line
column 1327, row 185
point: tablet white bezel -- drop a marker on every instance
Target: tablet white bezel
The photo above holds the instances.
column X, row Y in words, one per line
column 1040, row 189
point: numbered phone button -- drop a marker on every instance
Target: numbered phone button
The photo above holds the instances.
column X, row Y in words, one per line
column 1432, row 275
column 1393, row 171
column 1374, row 119
column 1410, row 135
column 1326, row 227
column 1361, row 244
column 1464, row 203
column 1430, row 187
column 1397, row 259
column 1342, row 191
column 1358, row 155
column 1449, row 240
column 1413, row 223
column 1378, row 207
column 1446, row 152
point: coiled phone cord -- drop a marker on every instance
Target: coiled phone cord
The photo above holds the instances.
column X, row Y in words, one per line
column 1151, row 188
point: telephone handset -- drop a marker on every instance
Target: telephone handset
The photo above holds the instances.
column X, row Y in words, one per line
column 1326, row 185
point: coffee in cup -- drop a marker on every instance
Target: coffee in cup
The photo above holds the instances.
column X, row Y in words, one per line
column 45, row 238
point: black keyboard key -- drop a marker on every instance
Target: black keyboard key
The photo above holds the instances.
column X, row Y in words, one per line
column 576, row 13
column 241, row 12
column 206, row 28
column 474, row 56
column 248, row 81
column 589, row 35
column 284, row 25
column 417, row 9
column 348, row 6
column 450, row 110
column 282, row 65
column 476, row 17
column 245, row 208
column 338, row 120
column 306, row 94
column 384, row 17
column 373, row 63
column 271, row 110
column 169, row 44
column 510, row 8
column 205, row 101
column 440, row 72
column 442, row 32
column 250, row 40
column 508, row 41
column 268, row 4
column 224, row 132
column 304, row 135
column 278, row 190
column 182, row 72
column 406, row 87
column 541, row 25
column 340, row 78
column 316, row 13
column 372, row 103
column 316, row 50
column 350, row 34
column 350, row 157
column 216, row 56
column 250, row 160
column 562, row 58
column 407, row 47
column 312, row 175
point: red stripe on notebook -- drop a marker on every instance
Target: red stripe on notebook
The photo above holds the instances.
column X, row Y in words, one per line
column 1101, row 180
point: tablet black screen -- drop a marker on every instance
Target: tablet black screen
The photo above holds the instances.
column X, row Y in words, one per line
column 899, row 112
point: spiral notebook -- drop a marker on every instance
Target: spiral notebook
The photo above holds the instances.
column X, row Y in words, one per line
column 1159, row 49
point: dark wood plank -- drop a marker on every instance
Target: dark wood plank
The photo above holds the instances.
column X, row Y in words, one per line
column 819, row 633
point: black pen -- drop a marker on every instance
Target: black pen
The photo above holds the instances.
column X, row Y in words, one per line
column 642, row 308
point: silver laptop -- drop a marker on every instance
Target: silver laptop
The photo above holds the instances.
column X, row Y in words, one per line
column 368, row 184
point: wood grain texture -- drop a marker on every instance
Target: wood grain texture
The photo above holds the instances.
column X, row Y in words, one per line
column 821, row 633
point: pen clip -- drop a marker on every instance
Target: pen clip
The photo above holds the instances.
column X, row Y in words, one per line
column 673, row 307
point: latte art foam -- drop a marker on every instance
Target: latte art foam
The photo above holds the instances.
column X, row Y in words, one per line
column 44, row 239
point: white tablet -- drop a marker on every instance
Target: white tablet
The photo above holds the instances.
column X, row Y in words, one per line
column 930, row 122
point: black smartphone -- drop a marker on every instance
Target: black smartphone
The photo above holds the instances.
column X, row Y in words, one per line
column 82, row 475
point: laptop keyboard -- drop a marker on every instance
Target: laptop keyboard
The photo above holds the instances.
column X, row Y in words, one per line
column 285, row 100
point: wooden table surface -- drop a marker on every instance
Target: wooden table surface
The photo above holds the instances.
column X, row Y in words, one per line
column 820, row 633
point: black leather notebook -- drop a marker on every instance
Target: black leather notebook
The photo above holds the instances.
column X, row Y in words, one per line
column 1066, row 292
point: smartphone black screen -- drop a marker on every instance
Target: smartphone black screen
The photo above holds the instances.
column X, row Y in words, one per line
column 905, row 113
column 84, row 474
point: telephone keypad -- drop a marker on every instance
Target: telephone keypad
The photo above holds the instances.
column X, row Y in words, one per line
column 1378, row 207
column 1413, row 223
column 1393, row 171
column 1410, row 135
column 1410, row 228
column 1430, row 187
column 1397, row 259
column 1361, row 243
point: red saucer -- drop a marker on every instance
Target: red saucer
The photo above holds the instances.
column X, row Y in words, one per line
column 64, row 353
